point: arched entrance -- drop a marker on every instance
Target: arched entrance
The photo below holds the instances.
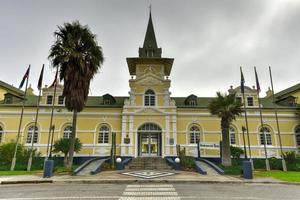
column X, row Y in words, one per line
column 149, row 140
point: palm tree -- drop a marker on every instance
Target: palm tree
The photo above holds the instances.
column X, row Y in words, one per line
column 227, row 108
column 78, row 57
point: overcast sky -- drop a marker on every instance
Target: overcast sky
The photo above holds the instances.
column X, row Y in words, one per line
column 209, row 40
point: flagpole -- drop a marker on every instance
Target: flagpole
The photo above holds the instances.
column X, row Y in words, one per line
column 246, row 121
column 36, row 118
column 262, row 124
column 277, row 123
column 13, row 163
column 52, row 110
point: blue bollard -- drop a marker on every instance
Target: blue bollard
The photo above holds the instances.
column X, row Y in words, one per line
column 120, row 165
column 247, row 169
column 48, row 168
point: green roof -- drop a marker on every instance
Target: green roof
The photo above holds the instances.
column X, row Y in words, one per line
column 287, row 91
column 11, row 89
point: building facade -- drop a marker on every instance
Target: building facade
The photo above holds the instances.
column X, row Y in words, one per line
column 149, row 122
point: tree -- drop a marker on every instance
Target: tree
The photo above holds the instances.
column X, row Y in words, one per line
column 63, row 145
column 227, row 108
column 78, row 57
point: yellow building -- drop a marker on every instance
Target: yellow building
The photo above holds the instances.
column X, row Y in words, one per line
column 149, row 122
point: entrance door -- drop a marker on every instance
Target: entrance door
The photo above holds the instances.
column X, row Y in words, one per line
column 149, row 144
column 149, row 140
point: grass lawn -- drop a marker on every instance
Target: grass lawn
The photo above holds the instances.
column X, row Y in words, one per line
column 11, row 173
column 284, row 176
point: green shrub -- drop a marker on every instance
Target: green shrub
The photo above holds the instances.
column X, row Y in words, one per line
column 236, row 152
column 186, row 162
column 275, row 164
column 7, row 153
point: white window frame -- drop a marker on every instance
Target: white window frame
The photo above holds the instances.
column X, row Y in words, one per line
column 232, row 138
column 194, row 133
column 103, row 136
column 267, row 132
column 35, row 133
column 67, row 132
column 59, row 98
column 249, row 97
column 149, row 98
column 47, row 100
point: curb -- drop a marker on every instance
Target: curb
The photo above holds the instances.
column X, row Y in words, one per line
column 25, row 182
column 140, row 181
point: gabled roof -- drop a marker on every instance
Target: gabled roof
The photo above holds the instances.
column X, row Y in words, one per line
column 11, row 89
column 287, row 91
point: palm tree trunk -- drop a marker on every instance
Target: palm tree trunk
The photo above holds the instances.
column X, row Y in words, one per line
column 72, row 139
column 226, row 157
column 66, row 160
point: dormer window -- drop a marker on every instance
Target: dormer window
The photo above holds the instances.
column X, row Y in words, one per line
column 49, row 99
column 192, row 102
column 250, row 101
column 8, row 100
column 149, row 98
column 107, row 102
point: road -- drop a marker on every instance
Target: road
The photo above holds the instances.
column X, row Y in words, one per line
column 150, row 191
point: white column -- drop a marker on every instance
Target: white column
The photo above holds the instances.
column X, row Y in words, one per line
column 174, row 123
column 124, row 131
column 167, row 142
column 131, row 136
column 94, row 143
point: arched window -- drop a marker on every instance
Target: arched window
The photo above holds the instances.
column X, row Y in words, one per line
column 1, row 133
column 194, row 134
column 232, row 135
column 32, row 131
column 149, row 98
column 103, row 135
column 267, row 132
column 297, row 134
column 67, row 132
column 149, row 127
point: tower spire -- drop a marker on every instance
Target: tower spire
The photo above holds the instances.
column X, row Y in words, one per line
column 150, row 48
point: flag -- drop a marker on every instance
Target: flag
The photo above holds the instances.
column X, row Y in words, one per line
column 26, row 75
column 55, row 79
column 242, row 82
column 257, row 83
column 41, row 79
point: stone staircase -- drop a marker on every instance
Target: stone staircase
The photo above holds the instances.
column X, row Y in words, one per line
column 148, row 163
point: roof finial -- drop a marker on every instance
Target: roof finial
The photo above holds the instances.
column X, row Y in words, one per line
column 150, row 7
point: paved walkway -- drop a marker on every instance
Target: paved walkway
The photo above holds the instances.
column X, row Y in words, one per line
column 118, row 177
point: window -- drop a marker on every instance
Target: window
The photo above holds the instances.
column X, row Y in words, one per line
column 194, row 134
column 297, row 133
column 232, row 135
column 61, row 100
column 238, row 99
column 1, row 133
column 149, row 98
column 49, row 99
column 67, row 132
column 107, row 102
column 8, row 100
column 32, row 131
column 250, row 101
column 267, row 132
column 192, row 103
column 103, row 135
